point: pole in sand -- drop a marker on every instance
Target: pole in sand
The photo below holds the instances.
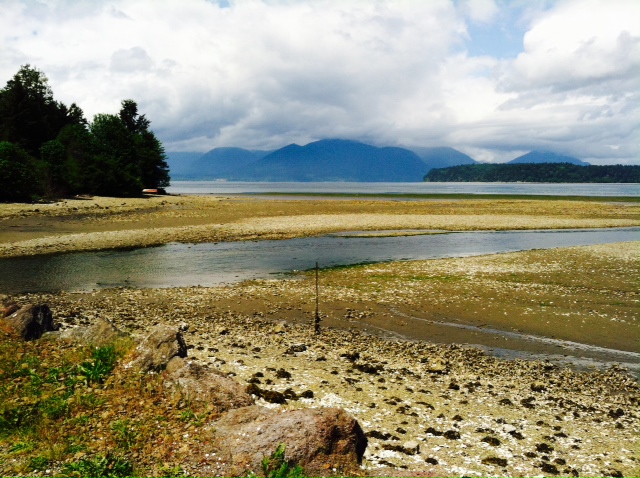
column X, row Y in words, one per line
column 317, row 318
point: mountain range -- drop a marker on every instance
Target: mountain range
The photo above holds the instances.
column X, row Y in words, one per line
column 328, row 160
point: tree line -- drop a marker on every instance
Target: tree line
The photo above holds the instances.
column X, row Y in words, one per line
column 536, row 173
column 48, row 149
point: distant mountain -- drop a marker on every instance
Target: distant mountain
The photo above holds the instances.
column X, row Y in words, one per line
column 442, row 157
column 546, row 157
column 335, row 160
column 225, row 163
column 181, row 164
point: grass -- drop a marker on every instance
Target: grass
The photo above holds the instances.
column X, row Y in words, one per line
column 72, row 410
column 90, row 415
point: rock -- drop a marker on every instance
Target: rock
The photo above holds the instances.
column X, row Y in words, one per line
column 437, row 365
column 31, row 321
column 280, row 328
column 100, row 333
column 452, row 434
column 494, row 460
column 295, row 349
column 9, row 309
column 538, row 387
column 549, row 468
column 434, row 432
column 316, row 439
column 543, row 448
column 158, row 348
column 194, row 383
column 409, row 448
column 392, row 473
column 493, row 441
column 282, row 373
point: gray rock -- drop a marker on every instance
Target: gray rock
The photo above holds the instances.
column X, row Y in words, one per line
column 101, row 332
column 158, row 348
column 317, row 439
column 31, row 321
column 194, row 383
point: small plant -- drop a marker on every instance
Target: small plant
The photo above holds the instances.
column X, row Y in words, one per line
column 22, row 447
column 125, row 434
column 102, row 363
column 108, row 466
column 38, row 463
column 276, row 465
column 168, row 471
column 190, row 416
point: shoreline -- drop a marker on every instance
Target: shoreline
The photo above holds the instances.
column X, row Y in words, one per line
column 502, row 417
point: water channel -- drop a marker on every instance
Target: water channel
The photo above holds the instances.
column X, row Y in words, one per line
column 178, row 265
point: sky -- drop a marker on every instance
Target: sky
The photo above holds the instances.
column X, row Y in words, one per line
column 492, row 78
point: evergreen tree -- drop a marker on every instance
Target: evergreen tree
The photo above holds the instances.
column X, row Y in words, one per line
column 21, row 174
column 51, row 149
column 149, row 153
column 29, row 116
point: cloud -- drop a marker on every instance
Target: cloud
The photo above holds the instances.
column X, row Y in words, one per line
column 262, row 74
column 129, row 60
column 479, row 11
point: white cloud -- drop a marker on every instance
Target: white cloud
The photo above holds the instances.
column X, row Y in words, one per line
column 479, row 11
column 261, row 74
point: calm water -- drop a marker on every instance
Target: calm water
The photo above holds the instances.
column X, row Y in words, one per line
column 223, row 187
column 175, row 265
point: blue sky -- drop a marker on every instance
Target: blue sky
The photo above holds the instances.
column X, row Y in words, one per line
column 492, row 78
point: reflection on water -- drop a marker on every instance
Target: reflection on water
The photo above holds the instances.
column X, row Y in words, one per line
column 178, row 265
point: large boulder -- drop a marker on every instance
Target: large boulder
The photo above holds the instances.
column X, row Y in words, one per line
column 158, row 348
column 317, row 439
column 31, row 321
column 99, row 333
column 195, row 383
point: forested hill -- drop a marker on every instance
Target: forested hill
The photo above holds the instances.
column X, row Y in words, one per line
column 536, row 173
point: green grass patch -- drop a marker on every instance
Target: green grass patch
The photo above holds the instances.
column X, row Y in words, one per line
column 108, row 466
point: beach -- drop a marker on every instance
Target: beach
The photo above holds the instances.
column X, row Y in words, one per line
column 389, row 351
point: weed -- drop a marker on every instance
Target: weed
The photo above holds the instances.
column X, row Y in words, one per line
column 125, row 434
column 190, row 416
column 102, row 363
column 91, row 401
column 100, row 466
column 16, row 418
column 276, row 465
column 54, row 407
column 168, row 471
column 22, row 447
column 38, row 463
